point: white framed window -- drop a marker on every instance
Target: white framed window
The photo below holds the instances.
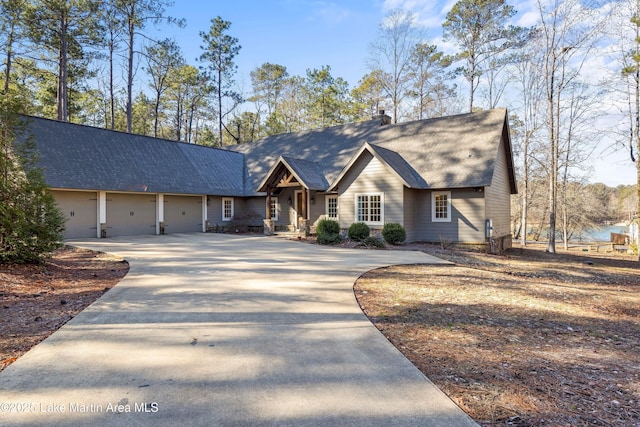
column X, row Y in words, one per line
column 370, row 208
column 274, row 208
column 332, row 207
column 441, row 206
column 227, row 208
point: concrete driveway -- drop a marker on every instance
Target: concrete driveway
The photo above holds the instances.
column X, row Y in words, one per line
column 210, row 329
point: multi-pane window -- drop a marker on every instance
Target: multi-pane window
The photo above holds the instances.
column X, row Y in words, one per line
column 227, row 208
column 369, row 208
column 274, row 208
column 332, row 207
column 441, row 206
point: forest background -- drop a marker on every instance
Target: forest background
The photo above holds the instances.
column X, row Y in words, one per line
column 568, row 72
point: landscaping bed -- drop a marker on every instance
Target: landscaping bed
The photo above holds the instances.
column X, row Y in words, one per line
column 35, row 301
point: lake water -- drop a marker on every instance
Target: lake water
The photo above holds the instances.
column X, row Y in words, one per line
column 603, row 234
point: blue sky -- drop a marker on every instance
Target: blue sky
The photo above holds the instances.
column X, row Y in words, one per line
column 298, row 34
column 302, row 34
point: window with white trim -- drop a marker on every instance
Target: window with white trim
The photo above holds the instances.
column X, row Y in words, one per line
column 369, row 208
column 441, row 206
column 274, row 208
column 332, row 207
column 227, row 208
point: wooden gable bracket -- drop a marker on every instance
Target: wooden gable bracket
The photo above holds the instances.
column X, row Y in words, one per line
column 288, row 180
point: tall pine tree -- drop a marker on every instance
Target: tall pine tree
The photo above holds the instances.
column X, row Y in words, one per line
column 31, row 224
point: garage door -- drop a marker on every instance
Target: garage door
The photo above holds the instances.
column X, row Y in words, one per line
column 131, row 214
column 182, row 214
column 81, row 211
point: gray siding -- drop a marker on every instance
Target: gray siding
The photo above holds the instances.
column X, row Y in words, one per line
column 214, row 210
column 498, row 196
column 317, row 207
column 411, row 213
column 368, row 175
column 467, row 218
column 248, row 210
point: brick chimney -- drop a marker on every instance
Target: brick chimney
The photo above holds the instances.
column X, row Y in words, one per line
column 384, row 119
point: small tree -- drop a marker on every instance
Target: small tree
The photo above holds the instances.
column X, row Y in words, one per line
column 31, row 224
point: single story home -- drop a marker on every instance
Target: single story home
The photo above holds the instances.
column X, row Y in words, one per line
column 446, row 178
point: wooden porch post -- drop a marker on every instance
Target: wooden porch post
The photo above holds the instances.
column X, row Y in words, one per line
column 304, row 213
column 268, row 222
column 268, row 207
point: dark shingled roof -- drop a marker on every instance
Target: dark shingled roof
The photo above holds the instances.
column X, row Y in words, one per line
column 82, row 157
column 448, row 152
column 306, row 172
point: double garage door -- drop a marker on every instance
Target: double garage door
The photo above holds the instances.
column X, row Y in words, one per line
column 128, row 214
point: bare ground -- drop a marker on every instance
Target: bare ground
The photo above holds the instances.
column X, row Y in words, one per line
column 526, row 339
column 35, row 301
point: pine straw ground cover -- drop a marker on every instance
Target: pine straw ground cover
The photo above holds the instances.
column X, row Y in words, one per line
column 525, row 339
column 37, row 300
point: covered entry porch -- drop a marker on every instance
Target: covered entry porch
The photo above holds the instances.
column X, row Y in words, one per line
column 291, row 188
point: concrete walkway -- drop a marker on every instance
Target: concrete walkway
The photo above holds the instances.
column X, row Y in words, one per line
column 210, row 329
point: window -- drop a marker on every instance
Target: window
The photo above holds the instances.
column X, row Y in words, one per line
column 274, row 208
column 332, row 207
column 227, row 208
column 369, row 208
column 441, row 206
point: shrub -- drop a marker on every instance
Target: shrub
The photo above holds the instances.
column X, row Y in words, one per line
column 373, row 242
column 394, row 233
column 241, row 222
column 359, row 231
column 327, row 226
column 329, row 239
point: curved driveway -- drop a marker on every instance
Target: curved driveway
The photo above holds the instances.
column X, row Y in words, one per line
column 211, row 329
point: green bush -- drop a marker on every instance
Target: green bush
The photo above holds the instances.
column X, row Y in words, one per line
column 372, row 242
column 329, row 239
column 394, row 233
column 359, row 231
column 327, row 226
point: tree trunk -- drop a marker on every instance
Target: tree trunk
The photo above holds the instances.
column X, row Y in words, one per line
column 7, row 70
column 131, row 30
column 112, row 105
column 636, row 135
column 63, row 109
column 219, row 108
column 156, row 108
column 525, row 194
column 553, row 148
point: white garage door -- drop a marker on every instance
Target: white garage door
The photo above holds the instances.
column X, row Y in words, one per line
column 182, row 214
column 131, row 214
column 81, row 211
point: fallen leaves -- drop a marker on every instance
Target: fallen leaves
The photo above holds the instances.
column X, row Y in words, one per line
column 527, row 339
column 37, row 300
